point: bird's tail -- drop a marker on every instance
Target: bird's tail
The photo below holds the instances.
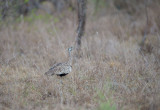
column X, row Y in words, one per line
column 49, row 73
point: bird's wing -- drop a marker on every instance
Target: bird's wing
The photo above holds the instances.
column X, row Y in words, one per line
column 58, row 68
column 54, row 70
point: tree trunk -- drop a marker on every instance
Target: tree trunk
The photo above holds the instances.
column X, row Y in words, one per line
column 81, row 23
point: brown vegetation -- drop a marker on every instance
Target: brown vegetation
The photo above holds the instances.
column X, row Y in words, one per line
column 111, row 65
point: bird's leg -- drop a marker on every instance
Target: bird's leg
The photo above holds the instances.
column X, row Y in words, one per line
column 61, row 93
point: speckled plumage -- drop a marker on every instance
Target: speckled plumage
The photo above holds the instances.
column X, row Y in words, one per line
column 61, row 69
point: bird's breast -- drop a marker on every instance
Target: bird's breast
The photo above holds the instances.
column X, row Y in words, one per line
column 70, row 69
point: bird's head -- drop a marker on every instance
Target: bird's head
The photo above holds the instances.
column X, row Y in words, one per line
column 70, row 49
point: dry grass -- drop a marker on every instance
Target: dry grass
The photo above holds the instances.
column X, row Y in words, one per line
column 111, row 66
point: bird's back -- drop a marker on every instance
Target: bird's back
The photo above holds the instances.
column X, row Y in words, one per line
column 59, row 69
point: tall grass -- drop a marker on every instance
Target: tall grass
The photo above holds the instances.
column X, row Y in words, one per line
column 110, row 64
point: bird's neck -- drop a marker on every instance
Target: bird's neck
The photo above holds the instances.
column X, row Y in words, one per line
column 70, row 59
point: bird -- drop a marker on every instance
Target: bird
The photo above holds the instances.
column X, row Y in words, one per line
column 61, row 69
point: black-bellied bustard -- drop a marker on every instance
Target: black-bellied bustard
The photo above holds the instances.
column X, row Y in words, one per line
column 61, row 69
